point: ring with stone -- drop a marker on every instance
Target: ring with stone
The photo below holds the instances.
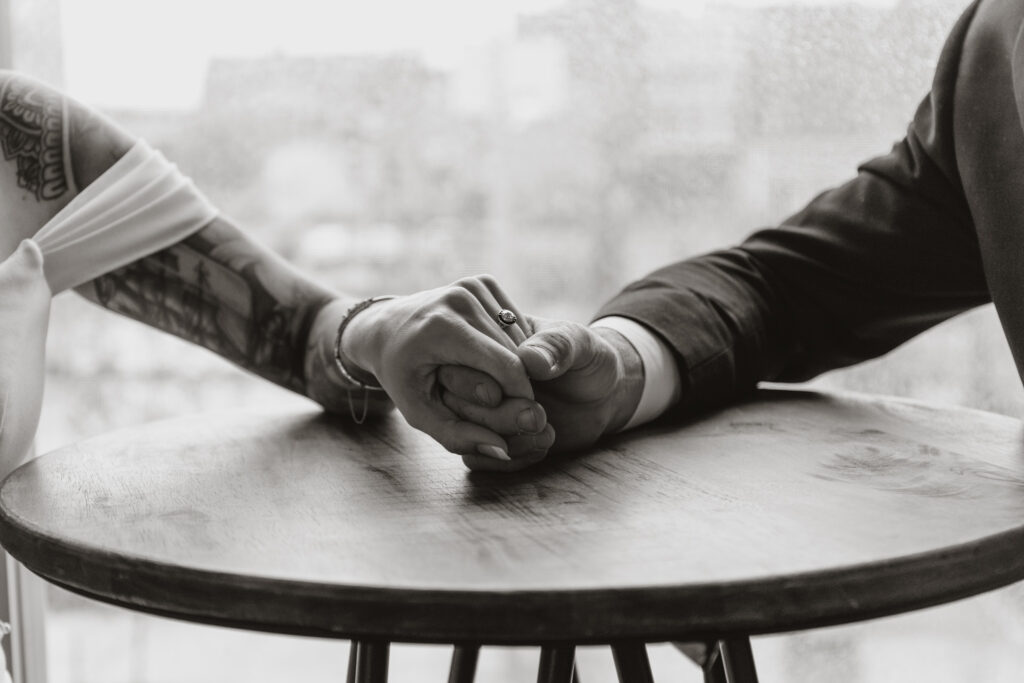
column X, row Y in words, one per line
column 506, row 317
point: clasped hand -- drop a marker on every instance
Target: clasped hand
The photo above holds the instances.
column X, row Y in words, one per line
column 502, row 397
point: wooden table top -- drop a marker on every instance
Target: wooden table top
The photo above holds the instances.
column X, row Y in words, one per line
column 795, row 510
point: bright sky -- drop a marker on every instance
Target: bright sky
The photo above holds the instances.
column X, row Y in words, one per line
column 160, row 61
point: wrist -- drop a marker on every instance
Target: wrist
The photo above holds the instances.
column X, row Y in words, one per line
column 629, row 385
column 319, row 367
column 325, row 382
column 358, row 341
column 320, row 364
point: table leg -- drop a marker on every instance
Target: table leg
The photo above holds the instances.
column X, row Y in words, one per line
column 557, row 664
column 730, row 661
column 352, row 659
column 631, row 663
column 464, row 659
column 368, row 661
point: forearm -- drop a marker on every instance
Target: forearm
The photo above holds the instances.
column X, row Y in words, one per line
column 863, row 268
column 223, row 291
column 721, row 318
column 217, row 288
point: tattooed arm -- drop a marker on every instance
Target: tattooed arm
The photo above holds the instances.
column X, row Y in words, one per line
column 220, row 289
column 217, row 288
column 223, row 291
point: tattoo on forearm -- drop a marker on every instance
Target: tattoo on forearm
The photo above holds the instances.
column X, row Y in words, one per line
column 32, row 134
column 227, row 304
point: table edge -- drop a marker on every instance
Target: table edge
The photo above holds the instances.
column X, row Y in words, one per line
column 658, row 613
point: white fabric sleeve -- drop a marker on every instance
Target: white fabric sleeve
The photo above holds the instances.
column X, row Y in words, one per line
column 662, row 386
column 140, row 205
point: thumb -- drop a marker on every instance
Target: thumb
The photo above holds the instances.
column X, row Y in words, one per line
column 553, row 349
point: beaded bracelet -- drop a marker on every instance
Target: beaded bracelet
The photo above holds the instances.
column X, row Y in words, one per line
column 349, row 378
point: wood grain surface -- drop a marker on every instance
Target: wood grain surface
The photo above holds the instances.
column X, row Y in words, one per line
column 794, row 510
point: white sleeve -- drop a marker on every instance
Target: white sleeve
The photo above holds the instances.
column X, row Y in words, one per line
column 662, row 386
column 140, row 205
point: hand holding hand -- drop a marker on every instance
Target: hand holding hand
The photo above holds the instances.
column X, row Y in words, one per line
column 588, row 380
column 403, row 342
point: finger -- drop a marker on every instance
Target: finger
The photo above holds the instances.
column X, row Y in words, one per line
column 491, row 305
column 477, row 349
column 556, row 348
column 505, row 301
column 459, row 436
column 526, row 450
column 512, row 416
column 465, row 305
column 479, row 463
column 470, row 384
column 513, row 330
column 532, row 447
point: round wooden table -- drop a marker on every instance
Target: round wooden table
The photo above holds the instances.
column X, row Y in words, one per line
column 791, row 511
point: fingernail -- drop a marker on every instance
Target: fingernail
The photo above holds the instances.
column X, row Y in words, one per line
column 548, row 356
column 483, row 394
column 527, row 421
column 492, row 452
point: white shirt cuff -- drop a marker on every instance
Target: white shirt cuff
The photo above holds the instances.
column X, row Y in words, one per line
column 662, row 386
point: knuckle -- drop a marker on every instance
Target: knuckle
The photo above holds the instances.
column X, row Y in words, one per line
column 431, row 324
column 435, row 324
column 458, row 298
column 447, row 378
column 536, row 445
column 560, row 340
column 452, row 293
column 511, row 363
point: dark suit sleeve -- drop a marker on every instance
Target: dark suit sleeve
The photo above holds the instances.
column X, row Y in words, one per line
column 860, row 270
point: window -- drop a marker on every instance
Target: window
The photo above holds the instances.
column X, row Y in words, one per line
column 567, row 147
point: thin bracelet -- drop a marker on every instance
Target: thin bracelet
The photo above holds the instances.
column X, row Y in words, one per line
column 349, row 378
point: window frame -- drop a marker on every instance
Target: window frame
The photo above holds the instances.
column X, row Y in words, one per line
column 22, row 594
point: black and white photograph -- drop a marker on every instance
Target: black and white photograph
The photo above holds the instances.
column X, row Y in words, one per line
column 577, row 341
